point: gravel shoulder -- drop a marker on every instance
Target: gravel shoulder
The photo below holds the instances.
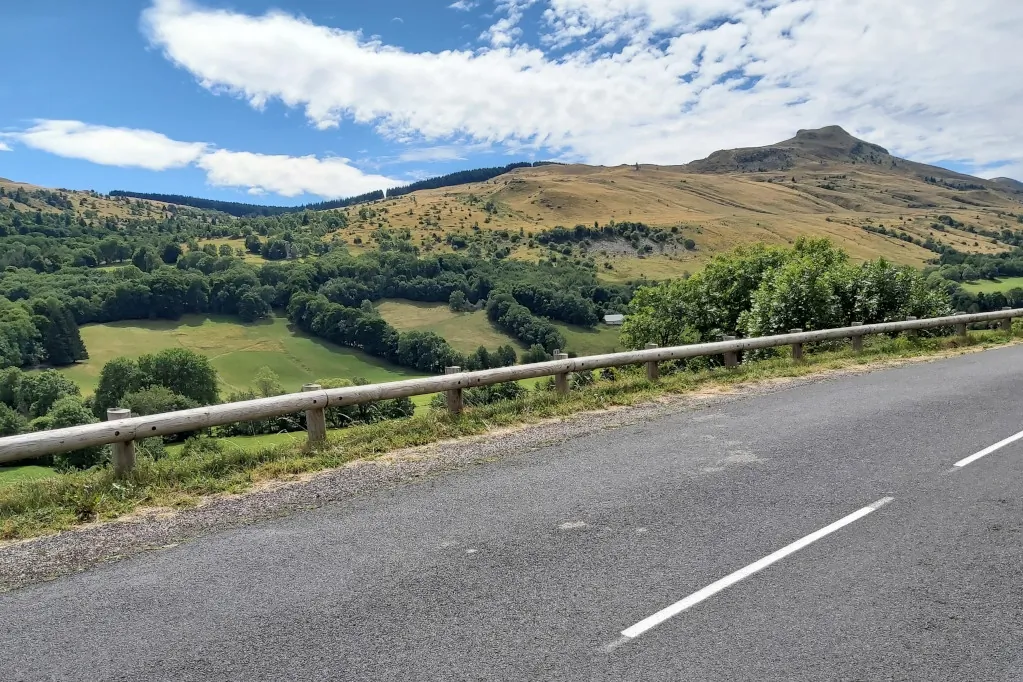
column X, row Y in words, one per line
column 47, row 558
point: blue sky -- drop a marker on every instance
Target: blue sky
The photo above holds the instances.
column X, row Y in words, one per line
column 298, row 100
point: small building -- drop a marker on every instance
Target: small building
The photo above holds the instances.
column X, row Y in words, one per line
column 614, row 320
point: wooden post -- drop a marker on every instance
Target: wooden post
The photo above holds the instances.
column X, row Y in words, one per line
column 1007, row 323
column 910, row 333
column 315, row 419
column 652, row 370
column 123, row 453
column 961, row 329
column 857, row 339
column 561, row 380
column 454, row 396
column 731, row 357
column 797, row 348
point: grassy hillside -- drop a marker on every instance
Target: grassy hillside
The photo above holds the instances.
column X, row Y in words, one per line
column 464, row 331
column 237, row 351
column 987, row 286
column 86, row 204
column 822, row 183
column 468, row 331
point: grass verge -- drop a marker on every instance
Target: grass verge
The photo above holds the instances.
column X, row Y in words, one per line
column 35, row 507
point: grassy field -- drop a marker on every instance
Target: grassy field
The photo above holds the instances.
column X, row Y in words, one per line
column 987, row 286
column 464, row 331
column 596, row 341
column 468, row 331
column 17, row 474
column 237, row 351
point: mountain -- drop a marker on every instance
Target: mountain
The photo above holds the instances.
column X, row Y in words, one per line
column 830, row 145
column 820, row 183
column 1009, row 184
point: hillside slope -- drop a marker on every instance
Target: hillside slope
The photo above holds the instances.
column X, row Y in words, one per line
column 820, row 183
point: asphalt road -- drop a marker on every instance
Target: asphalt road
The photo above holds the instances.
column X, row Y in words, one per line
column 531, row 567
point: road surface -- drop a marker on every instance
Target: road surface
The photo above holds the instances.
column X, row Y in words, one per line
column 850, row 546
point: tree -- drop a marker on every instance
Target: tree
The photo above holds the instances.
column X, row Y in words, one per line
column 145, row 259
column 253, row 244
column 156, row 400
column 118, row 378
column 252, row 307
column 39, row 391
column 171, row 253
column 66, row 412
column 11, row 423
column 62, row 340
column 536, row 353
column 267, row 382
column 457, row 301
column 506, row 356
column 184, row 372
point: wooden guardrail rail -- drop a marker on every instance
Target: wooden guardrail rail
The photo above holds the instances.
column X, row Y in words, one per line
column 122, row 430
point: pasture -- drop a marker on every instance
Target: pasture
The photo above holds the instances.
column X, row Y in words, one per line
column 468, row 331
column 990, row 286
column 237, row 351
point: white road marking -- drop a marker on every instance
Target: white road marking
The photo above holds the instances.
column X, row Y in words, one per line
column 729, row 580
column 988, row 450
column 572, row 525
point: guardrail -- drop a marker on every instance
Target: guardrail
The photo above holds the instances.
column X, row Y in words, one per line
column 121, row 430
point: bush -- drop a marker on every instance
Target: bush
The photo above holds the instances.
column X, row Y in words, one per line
column 156, row 400
column 11, row 423
column 69, row 411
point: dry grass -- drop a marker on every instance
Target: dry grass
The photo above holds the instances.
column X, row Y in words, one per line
column 717, row 211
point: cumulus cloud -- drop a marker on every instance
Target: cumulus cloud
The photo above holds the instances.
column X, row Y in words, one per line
column 664, row 81
column 4, row 148
column 109, row 146
column 290, row 175
column 259, row 173
column 463, row 5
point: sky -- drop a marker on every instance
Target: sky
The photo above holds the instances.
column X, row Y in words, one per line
column 292, row 101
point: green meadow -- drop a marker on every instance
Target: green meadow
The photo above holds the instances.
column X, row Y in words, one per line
column 237, row 351
column 989, row 286
column 468, row 331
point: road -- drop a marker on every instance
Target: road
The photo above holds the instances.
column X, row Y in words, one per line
column 531, row 567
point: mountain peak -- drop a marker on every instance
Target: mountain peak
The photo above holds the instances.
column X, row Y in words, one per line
column 831, row 144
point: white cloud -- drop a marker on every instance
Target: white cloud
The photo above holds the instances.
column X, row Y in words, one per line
column 289, row 175
column 258, row 173
column 463, row 5
column 4, row 148
column 654, row 80
column 109, row 146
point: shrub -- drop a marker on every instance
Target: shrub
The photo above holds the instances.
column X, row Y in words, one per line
column 69, row 411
